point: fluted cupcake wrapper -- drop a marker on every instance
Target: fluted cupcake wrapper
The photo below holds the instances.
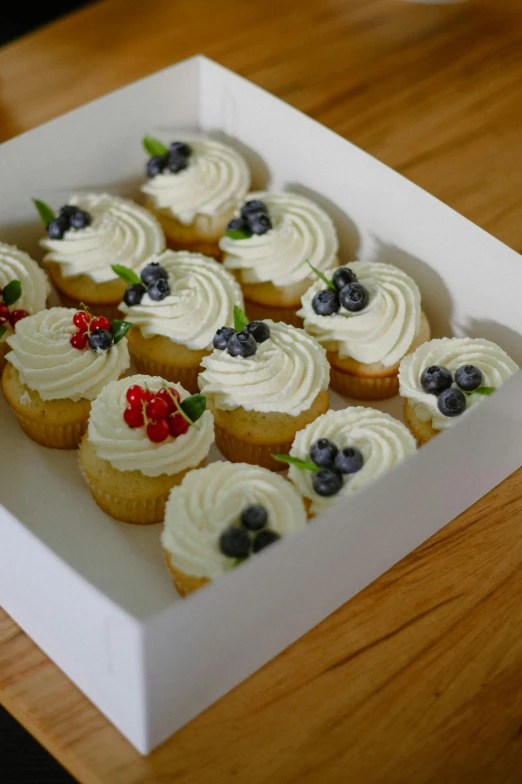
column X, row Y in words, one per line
column 422, row 431
column 4, row 348
column 362, row 388
column 56, row 436
column 258, row 312
column 109, row 310
column 126, row 509
column 238, row 451
column 187, row 377
column 184, row 583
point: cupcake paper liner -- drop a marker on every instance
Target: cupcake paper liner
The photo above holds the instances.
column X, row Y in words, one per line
column 362, row 388
column 56, row 436
column 422, row 431
column 187, row 377
column 258, row 312
column 184, row 583
column 245, row 452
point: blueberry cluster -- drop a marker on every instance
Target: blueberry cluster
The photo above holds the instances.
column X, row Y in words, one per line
column 154, row 281
column 344, row 292
column 333, row 464
column 250, row 536
column 70, row 217
column 254, row 219
column 174, row 160
column 437, row 380
column 244, row 343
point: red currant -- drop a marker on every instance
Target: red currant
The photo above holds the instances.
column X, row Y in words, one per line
column 4, row 313
column 167, row 394
column 82, row 319
column 135, row 394
column 148, row 395
column 16, row 316
column 100, row 323
column 158, row 431
column 178, row 425
column 157, row 409
column 133, row 416
column 79, row 340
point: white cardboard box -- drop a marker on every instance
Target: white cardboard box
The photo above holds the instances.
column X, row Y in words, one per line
column 93, row 593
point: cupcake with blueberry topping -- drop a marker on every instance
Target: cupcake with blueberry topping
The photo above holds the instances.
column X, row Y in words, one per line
column 90, row 234
column 144, row 434
column 264, row 381
column 270, row 247
column 222, row 515
column 60, row 359
column 176, row 305
column 368, row 317
column 194, row 187
column 447, row 377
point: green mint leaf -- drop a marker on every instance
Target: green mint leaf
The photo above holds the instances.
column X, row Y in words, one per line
column 194, row 407
column 240, row 319
column 304, row 465
column 12, row 292
column 238, row 234
column 238, row 561
column 319, row 274
column 154, row 146
column 119, row 329
column 482, row 391
column 44, row 211
column 127, row 275
column 3, row 330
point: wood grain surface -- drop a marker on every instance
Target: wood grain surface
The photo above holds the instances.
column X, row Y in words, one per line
column 418, row 679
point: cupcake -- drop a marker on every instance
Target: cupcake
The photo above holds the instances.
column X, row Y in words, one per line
column 24, row 289
column 445, row 378
column 343, row 451
column 223, row 514
column 368, row 317
column 270, row 247
column 91, row 234
column 60, row 359
column 264, row 381
column 194, row 187
column 143, row 436
column 176, row 307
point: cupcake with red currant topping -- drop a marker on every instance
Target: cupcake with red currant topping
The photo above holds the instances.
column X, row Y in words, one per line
column 90, row 234
column 222, row 515
column 59, row 360
column 194, row 187
column 144, row 434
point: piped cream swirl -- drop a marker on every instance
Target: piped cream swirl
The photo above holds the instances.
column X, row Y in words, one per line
column 121, row 232
column 286, row 374
column 301, row 232
column 17, row 265
column 130, row 449
column 210, row 500
column 48, row 364
column 452, row 353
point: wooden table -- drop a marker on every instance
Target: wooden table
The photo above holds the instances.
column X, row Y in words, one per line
column 419, row 678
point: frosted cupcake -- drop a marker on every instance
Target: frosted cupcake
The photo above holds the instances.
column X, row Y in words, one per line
column 270, row 247
column 264, row 381
column 343, row 451
column 194, row 188
column 368, row 316
column 223, row 514
column 60, row 359
column 176, row 306
column 143, row 436
column 24, row 289
column 445, row 378
column 90, row 234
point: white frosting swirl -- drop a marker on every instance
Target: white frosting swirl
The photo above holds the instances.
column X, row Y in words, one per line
column 384, row 330
column 49, row 365
column 301, row 232
column 383, row 441
column 210, row 500
column 17, row 265
column 202, row 299
column 286, row 373
column 215, row 182
column 130, row 449
column 452, row 353
column 121, row 232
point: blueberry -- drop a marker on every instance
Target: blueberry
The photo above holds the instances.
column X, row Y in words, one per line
column 80, row 220
column 349, row 460
column 159, row 290
column 222, row 337
column 263, row 539
column 252, row 206
column 259, row 331
column 342, row 277
column 451, row 402
column 254, row 517
column 67, row 210
column 156, row 165
column 323, row 453
column 436, row 379
column 238, row 224
column 57, row 227
column 326, row 302
column 469, row 377
column 134, row 294
column 235, row 542
column 153, row 272
column 101, row 340
column 326, row 481
column 176, row 162
column 181, row 148
column 242, row 345
column 354, row 297
column 259, row 222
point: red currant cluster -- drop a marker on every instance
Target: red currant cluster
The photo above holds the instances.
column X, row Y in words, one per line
column 13, row 316
column 87, row 324
column 159, row 411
